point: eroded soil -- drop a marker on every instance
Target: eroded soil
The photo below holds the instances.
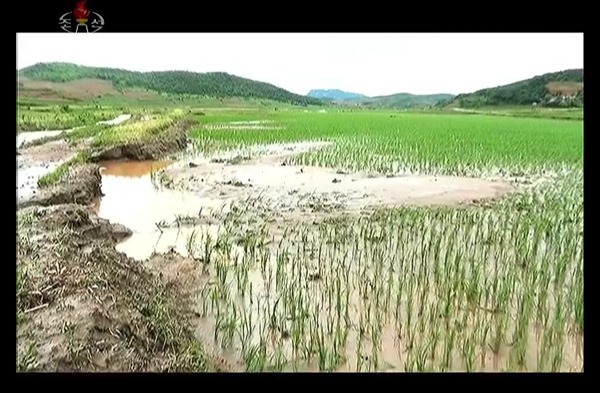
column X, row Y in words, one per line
column 84, row 306
column 81, row 304
column 169, row 141
column 163, row 202
column 35, row 161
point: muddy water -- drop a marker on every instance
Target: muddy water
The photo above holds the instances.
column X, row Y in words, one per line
column 35, row 161
column 132, row 199
column 30, row 136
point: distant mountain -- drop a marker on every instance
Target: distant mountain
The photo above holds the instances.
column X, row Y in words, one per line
column 211, row 84
column 563, row 88
column 405, row 100
column 334, row 95
column 399, row 100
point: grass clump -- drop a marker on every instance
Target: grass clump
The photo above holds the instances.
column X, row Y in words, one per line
column 86, row 132
column 132, row 132
column 53, row 177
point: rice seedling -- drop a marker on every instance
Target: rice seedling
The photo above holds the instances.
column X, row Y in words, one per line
column 453, row 288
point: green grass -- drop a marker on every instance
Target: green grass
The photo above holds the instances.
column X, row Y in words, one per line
column 37, row 118
column 526, row 111
column 488, row 287
column 432, row 143
column 133, row 131
column 53, row 177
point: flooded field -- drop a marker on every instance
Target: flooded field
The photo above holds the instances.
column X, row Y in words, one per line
column 267, row 244
column 135, row 195
column 35, row 161
column 288, row 266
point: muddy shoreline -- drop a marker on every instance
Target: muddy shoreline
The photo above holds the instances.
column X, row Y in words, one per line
column 82, row 305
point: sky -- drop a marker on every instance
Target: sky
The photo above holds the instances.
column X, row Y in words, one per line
column 367, row 63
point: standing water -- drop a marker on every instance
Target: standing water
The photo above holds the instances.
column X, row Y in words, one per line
column 132, row 199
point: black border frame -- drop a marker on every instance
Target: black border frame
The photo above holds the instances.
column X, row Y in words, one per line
column 292, row 17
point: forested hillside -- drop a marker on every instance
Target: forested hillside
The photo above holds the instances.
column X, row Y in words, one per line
column 556, row 89
column 212, row 84
column 334, row 94
column 404, row 100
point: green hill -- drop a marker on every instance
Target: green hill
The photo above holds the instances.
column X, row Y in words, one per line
column 211, row 84
column 403, row 100
column 556, row 89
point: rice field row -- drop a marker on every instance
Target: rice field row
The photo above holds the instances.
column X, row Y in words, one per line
column 418, row 143
column 494, row 287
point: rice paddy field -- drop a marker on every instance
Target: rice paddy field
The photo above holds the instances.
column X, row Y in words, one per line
column 494, row 286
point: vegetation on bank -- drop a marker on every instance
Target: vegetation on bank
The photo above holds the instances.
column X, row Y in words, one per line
column 213, row 84
column 144, row 129
column 53, row 177
column 136, row 131
column 556, row 89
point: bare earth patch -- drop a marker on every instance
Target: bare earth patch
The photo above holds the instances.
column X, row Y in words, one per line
column 284, row 187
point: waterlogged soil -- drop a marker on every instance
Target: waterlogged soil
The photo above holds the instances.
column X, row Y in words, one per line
column 81, row 304
column 168, row 204
column 148, row 211
column 289, row 188
column 163, row 202
column 34, row 161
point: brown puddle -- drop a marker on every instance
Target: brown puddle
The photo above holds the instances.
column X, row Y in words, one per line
column 131, row 168
column 132, row 199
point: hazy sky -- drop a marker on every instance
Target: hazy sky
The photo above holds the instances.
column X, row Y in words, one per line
column 367, row 63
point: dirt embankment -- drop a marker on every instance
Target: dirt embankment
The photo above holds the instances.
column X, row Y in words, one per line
column 81, row 184
column 83, row 306
column 173, row 139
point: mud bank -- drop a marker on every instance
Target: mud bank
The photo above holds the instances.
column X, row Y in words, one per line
column 36, row 161
column 80, row 185
column 83, row 306
column 169, row 141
